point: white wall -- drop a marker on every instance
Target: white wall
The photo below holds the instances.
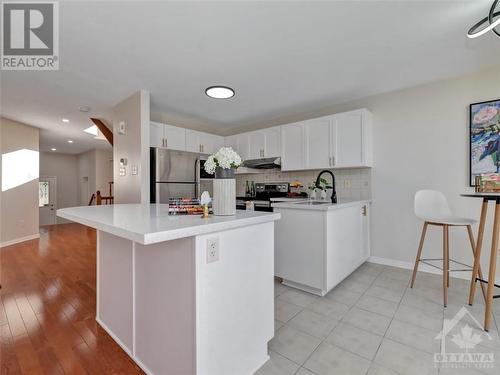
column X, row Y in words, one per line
column 421, row 141
column 103, row 170
column 86, row 175
column 64, row 168
column 134, row 146
column 19, row 205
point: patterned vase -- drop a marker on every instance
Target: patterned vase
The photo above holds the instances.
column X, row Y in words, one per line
column 224, row 201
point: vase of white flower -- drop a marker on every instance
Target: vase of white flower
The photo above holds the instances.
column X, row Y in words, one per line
column 223, row 164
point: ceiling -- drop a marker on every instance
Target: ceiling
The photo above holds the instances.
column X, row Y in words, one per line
column 281, row 58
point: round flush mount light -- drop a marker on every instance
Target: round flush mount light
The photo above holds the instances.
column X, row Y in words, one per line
column 53, row 149
column 70, row 141
column 219, row 92
column 491, row 21
column 65, row 120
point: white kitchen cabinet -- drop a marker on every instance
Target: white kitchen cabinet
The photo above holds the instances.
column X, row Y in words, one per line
column 337, row 242
column 256, row 144
column 292, row 147
column 272, row 139
column 351, row 137
column 342, row 140
column 317, row 134
column 240, row 144
column 167, row 136
column 201, row 142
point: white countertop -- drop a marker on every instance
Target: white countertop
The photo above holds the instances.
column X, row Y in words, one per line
column 150, row 223
column 288, row 199
column 324, row 206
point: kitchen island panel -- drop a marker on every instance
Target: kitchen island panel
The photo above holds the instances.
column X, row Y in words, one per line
column 115, row 287
column 235, row 300
column 165, row 306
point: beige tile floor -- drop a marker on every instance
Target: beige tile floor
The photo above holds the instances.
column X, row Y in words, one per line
column 374, row 324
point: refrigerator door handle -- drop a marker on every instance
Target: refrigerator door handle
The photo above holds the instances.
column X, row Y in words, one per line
column 197, row 177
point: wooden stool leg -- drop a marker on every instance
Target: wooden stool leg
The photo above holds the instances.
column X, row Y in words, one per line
column 419, row 254
column 471, row 239
column 445, row 265
column 477, row 255
column 493, row 267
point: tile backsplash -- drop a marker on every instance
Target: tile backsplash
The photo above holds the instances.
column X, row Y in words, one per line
column 349, row 183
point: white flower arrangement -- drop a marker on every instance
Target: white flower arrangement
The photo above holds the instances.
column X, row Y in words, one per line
column 225, row 158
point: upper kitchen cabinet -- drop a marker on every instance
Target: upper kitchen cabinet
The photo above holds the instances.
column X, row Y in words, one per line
column 272, row 139
column 317, row 135
column 351, row 137
column 338, row 141
column 240, row 144
column 201, row 142
column 292, row 147
column 167, row 136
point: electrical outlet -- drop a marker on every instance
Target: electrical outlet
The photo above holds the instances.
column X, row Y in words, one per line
column 347, row 184
column 212, row 249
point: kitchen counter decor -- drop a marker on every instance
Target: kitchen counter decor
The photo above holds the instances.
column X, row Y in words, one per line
column 223, row 164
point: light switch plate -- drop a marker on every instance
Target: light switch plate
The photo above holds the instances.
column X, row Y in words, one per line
column 121, row 127
column 122, row 171
column 134, row 170
column 212, row 249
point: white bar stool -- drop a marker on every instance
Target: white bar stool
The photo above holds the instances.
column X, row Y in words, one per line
column 432, row 207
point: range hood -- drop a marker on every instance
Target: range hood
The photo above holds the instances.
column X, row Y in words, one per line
column 266, row 163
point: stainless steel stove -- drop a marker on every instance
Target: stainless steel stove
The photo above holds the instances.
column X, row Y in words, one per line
column 263, row 194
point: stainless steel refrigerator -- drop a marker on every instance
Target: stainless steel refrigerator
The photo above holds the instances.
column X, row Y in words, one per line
column 176, row 174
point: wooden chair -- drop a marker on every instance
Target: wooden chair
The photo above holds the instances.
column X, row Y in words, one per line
column 432, row 207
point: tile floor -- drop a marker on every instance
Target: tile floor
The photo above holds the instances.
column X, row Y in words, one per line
column 374, row 324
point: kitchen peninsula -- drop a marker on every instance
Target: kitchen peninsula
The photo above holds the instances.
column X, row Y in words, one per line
column 182, row 294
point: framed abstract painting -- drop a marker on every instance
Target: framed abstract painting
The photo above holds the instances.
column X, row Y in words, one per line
column 484, row 138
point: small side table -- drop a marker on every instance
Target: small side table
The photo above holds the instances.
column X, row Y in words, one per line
column 493, row 256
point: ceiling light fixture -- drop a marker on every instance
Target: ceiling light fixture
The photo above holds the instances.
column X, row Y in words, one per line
column 490, row 20
column 219, row 92
column 70, row 141
column 65, row 120
column 53, row 149
column 84, row 108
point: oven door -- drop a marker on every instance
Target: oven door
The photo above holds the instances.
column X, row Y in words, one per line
column 262, row 206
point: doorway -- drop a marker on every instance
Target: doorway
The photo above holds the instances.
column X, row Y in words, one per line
column 47, row 198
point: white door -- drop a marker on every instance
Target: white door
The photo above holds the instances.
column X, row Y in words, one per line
column 317, row 135
column 156, row 134
column 256, row 145
column 272, row 148
column 47, row 197
column 175, row 138
column 347, row 139
column 292, row 146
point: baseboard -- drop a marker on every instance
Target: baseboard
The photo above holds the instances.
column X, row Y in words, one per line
column 19, row 240
column 465, row 275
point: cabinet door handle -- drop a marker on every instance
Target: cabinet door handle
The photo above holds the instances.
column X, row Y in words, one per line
column 333, row 161
column 330, row 161
column 363, row 211
column 166, row 142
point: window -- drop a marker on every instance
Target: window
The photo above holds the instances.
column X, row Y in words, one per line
column 43, row 193
column 18, row 168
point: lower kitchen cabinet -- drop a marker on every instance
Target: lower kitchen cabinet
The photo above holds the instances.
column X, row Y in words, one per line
column 315, row 249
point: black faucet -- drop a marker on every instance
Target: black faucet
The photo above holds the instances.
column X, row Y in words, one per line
column 334, row 192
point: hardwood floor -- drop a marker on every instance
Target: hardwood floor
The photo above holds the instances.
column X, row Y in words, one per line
column 47, row 308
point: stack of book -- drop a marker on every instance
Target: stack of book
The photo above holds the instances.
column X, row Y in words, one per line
column 184, row 206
